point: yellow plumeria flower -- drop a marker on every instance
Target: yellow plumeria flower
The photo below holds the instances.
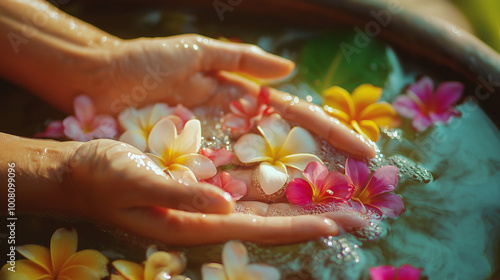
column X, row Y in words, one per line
column 61, row 262
column 360, row 110
column 158, row 266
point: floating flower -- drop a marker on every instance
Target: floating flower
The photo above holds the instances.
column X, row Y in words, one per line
column 237, row 188
column 278, row 149
column 247, row 111
column 427, row 108
column 387, row 272
column 235, row 265
column 360, row 111
column 373, row 193
column 177, row 154
column 54, row 130
column 321, row 186
column 84, row 126
column 218, row 157
column 62, row 261
column 159, row 265
column 139, row 122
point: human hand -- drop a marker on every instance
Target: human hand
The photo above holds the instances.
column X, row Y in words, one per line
column 192, row 70
column 115, row 183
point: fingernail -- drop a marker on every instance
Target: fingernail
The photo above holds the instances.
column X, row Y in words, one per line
column 332, row 228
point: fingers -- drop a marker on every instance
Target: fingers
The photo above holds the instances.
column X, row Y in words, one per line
column 318, row 121
column 306, row 114
column 183, row 228
column 194, row 197
column 242, row 58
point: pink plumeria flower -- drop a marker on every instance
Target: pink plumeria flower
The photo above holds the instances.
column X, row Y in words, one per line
column 177, row 154
column 138, row 123
column 237, row 188
column 372, row 193
column 247, row 111
column 321, row 186
column 219, row 157
column 387, row 272
column 54, row 130
column 235, row 265
column 86, row 124
column 279, row 148
column 426, row 107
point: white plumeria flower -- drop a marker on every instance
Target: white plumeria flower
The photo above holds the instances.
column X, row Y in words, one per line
column 236, row 266
column 139, row 122
column 278, row 149
column 177, row 154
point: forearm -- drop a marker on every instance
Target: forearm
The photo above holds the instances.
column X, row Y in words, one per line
column 38, row 169
column 51, row 53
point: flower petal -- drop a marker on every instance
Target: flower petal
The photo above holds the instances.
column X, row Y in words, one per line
column 157, row 160
column 181, row 173
column 420, row 122
column 162, row 138
column 73, row 129
column 84, row 109
column 297, row 141
column 78, row 272
column 272, row 177
column 390, row 204
column 406, row 106
column 367, row 128
column 384, row 272
column 339, row 184
column 423, row 89
column 201, row 166
column 189, row 140
column 381, row 113
column 38, row 255
column 136, row 138
column 275, row 130
column 358, row 173
column 408, row 272
column 299, row 192
column 184, row 113
column 25, row 270
column 237, row 188
column 158, row 111
column 236, row 123
column 213, row 271
column 339, row 99
column 262, row 272
column 316, row 173
column 364, row 95
column 129, row 269
column 62, row 245
column 129, row 119
column 385, row 179
column 447, row 94
column 91, row 259
column 235, row 259
column 251, row 148
column 104, row 126
column 299, row 161
column 163, row 262
column 443, row 117
column 55, row 129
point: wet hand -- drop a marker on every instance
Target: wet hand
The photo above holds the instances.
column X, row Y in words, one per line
column 117, row 184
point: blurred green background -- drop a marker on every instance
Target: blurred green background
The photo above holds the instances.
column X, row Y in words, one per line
column 484, row 16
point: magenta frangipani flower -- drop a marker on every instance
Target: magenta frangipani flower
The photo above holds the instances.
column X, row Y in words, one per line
column 321, row 186
column 372, row 193
column 247, row 111
column 388, row 272
column 237, row 188
column 85, row 125
column 426, row 107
